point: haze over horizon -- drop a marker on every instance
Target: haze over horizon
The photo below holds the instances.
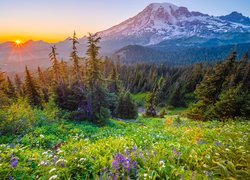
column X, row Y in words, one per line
column 55, row 21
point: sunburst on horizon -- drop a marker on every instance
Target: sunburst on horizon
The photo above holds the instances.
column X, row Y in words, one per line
column 18, row 42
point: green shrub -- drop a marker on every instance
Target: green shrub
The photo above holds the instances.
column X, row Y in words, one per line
column 49, row 114
column 17, row 118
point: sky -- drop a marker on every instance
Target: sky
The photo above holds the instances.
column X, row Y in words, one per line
column 55, row 20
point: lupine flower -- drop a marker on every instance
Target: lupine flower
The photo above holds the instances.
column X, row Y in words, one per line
column 14, row 162
column 134, row 148
column 55, row 159
column 177, row 153
column 217, row 143
column 123, row 163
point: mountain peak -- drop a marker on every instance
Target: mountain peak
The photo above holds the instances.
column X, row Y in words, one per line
column 237, row 18
column 163, row 5
column 235, row 13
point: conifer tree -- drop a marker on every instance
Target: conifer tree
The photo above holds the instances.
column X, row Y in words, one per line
column 10, row 89
column 126, row 107
column 98, row 97
column 55, row 64
column 43, row 85
column 19, row 86
column 64, row 72
column 150, row 106
column 220, row 92
column 234, row 102
column 4, row 100
column 41, row 77
column 76, row 59
column 32, row 90
column 115, row 83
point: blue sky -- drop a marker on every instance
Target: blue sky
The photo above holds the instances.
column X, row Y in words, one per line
column 54, row 20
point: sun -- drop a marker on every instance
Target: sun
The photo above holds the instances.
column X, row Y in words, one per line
column 18, row 41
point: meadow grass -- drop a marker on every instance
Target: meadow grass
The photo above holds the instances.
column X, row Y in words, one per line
column 146, row 148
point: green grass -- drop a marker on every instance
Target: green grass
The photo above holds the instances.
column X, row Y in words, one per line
column 151, row 148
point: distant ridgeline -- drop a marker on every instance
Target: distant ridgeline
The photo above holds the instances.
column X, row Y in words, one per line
column 177, row 55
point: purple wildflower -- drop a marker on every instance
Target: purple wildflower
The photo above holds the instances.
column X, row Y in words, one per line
column 11, row 178
column 14, row 162
column 55, row 159
column 62, row 164
column 177, row 153
column 134, row 148
column 123, row 165
column 217, row 143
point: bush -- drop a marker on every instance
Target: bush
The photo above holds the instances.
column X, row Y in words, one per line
column 17, row 118
column 49, row 114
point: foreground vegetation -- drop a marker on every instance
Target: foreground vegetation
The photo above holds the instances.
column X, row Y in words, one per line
column 146, row 148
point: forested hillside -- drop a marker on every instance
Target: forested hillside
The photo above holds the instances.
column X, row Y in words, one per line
column 170, row 54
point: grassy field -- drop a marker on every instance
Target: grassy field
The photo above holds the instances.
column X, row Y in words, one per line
column 146, row 148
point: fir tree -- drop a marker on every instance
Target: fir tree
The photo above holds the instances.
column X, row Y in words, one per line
column 19, row 86
column 234, row 102
column 4, row 100
column 43, row 85
column 115, row 83
column 76, row 59
column 10, row 89
column 55, row 64
column 126, row 108
column 32, row 90
column 220, row 93
column 97, row 94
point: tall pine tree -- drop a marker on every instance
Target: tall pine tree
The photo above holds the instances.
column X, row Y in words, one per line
column 98, row 96
column 32, row 89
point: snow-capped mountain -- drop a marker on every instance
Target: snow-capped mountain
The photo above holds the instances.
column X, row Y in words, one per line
column 162, row 21
column 159, row 25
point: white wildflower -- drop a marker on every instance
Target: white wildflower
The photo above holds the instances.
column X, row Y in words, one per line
column 45, row 153
column 42, row 163
column 61, row 160
column 52, row 170
column 162, row 164
column 82, row 159
column 41, row 136
column 53, row 177
column 59, row 151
